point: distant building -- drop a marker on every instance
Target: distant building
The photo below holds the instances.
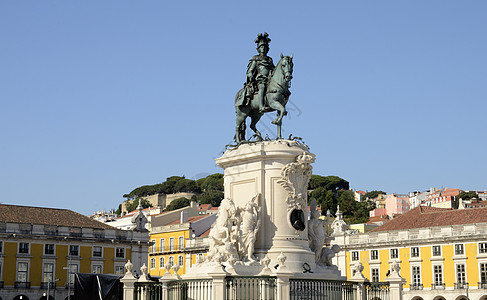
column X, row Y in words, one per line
column 359, row 195
column 442, row 252
column 416, row 199
column 43, row 247
column 443, row 198
column 177, row 237
column 160, row 200
column 390, row 205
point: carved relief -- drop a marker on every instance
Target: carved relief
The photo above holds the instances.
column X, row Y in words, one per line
column 233, row 234
column 295, row 178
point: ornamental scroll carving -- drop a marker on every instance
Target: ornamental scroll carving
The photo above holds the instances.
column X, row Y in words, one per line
column 295, row 178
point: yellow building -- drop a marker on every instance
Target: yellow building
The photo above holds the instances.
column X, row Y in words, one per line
column 442, row 253
column 42, row 248
column 174, row 239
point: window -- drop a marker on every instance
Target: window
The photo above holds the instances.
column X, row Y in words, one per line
column 461, row 274
column 375, row 275
column 181, row 260
column 436, row 250
column 171, row 244
column 153, row 246
column 74, row 250
column 24, row 248
column 73, row 269
column 96, row 269
column 171, row 260
column 374, row 254
column 459, row 250
column 483, row 273
column 22, row 271
column 415, row 252
column 162, row 244
column 161, row 263
column 394, row 253
column 355, row 255
column 49, row 249
column 119, row 270
column 416, row 272
column 48, row 273
column 97, row 251
column 120, row 252
column 438, row 275
column 181, row 242
column 152, row 263
column 1, row 246
column 482, row 247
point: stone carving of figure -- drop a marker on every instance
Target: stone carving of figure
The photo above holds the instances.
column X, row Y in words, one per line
column 316, row 231
column 250, row 224
column 258, row 70
column 327, row 255
column 221, row 232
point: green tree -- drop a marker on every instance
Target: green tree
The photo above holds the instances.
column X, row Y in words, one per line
column 178, row 203
column 330, row 183
column 213, row 182
column 186, row 185
column 209, row 197
column 373, row 194
column 467, row 195
column 132, row 205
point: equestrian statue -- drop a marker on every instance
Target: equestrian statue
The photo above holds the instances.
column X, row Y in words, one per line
column 265, row 90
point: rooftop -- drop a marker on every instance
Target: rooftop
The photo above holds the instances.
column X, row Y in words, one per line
column 47, row 216
column 426, row 216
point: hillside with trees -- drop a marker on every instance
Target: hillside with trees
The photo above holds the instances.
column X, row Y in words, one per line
column 331, row 191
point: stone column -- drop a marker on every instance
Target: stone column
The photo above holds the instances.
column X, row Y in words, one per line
column 359, row 278
column 218, row 290
column 395, row 281
column 128, row 282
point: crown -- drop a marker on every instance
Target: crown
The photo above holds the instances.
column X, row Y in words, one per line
column 262, row 39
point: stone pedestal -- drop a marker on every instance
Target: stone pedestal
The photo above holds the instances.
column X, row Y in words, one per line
column 277, row 171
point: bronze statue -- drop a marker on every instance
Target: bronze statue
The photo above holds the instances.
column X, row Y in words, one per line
column 266, row 89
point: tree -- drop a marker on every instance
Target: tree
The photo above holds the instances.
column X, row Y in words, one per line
column 467, row 195
column 373, row 194
column 178, row 203
column 213, row 182
column 186, row 185
column 209, row 197
column 132, row 205
column 330, row 183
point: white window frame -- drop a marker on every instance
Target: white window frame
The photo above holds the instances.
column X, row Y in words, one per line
column 419, row 252
column 435, row 253
column 152, row 263
column 93, row 251
column 53, row 249
column 74, row 247
column 171, row 260
column 372, row 256
column 17, row 271
column 51, row 273
column 181, row 258
column 374, row 276
column 482, row 247
column 162, row 262
column 153, row 246
column 457, row 273
column 462, row 246
column 415, row 281
column 117, row 268
column 171, row 244
column 391, row 252
column 73, row 268
column 162, row 244
column 96, row 266
column 28, row 248
column 441, row 274
column 118, row 250
column 181, row 242
column 355, row 256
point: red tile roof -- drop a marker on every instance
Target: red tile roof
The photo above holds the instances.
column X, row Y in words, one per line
column 47, row 216
column 190, row 219
column 204, row 207
column 205, row 234
column 425, row 216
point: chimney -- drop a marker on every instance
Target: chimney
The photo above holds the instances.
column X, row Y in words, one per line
column 184, row 217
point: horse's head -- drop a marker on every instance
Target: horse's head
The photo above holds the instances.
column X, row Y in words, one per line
column 286, row 64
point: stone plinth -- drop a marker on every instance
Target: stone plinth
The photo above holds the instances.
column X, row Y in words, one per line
column 279, row 171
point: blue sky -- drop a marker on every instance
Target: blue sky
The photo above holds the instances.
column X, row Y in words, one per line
column 99, row 97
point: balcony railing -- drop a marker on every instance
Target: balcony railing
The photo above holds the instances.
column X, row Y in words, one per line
column 482, row 285
column 52, row 285
column 416, row 286
column 22, row 285
column 461, row 285
column 438, row 286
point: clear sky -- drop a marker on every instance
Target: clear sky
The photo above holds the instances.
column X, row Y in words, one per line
column 100, row 97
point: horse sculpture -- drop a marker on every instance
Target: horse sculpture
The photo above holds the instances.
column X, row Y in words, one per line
column 276, row 97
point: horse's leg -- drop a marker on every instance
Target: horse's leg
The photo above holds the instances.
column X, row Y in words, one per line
column 272, row 98
column 255, row 117
column 240, row 125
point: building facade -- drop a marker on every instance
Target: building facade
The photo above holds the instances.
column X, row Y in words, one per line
column 442, row 253
column 42, row 248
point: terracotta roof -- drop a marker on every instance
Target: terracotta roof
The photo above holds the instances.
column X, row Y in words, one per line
column 47, row 216
column 426, row 216
column 190, row 219
column 214, row 208
column 204, row 206
column 205, row 234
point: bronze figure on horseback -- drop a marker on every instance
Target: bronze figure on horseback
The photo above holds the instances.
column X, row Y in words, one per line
column 266, row 89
